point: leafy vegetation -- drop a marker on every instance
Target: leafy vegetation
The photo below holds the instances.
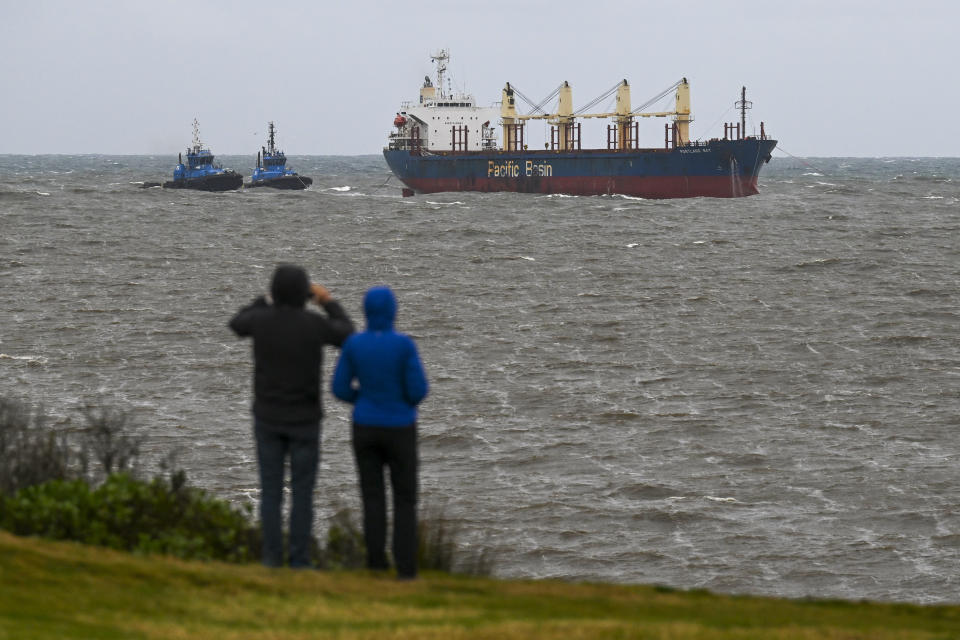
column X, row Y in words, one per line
column 86, row 486
column 31, row 452
column 134, row 515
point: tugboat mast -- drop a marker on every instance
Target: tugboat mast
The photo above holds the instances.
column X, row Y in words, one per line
column 196, row 136
column 271, row 148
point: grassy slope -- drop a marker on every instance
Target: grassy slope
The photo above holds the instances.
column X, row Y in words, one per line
column 65, row 590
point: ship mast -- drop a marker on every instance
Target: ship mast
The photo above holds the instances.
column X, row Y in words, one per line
column 441, row 58
column 743, row 105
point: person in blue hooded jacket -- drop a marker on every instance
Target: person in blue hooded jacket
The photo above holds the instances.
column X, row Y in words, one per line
column 380, row 373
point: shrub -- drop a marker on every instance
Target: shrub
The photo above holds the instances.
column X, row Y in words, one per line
column 345, row 548
column 30, row 452
column 107, row 436
column 47, row 488
column 440, row 548
column 134, row 515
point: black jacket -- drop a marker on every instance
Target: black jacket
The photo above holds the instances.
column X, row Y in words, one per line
column 287, row 354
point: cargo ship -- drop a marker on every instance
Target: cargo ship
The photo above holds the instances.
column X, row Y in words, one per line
column 272, row 171
column 446, row 142
column 200, row 172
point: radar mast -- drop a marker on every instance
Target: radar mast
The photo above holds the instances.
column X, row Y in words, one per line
column 196, row 136
column 271, row 147
column 441, row 58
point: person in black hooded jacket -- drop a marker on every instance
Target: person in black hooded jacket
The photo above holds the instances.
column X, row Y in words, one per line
column 288, row 345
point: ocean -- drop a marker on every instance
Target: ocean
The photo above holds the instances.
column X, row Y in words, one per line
column 757, row 395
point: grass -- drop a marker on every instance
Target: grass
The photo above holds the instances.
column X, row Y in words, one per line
column 66, row 590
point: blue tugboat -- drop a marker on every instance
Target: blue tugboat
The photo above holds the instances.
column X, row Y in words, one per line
column 272, row 169
column 200, row 172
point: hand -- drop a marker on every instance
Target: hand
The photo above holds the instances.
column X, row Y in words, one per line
column 319, row 293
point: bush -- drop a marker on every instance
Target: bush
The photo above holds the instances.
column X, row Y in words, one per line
column 345, row 548
column 48, row 488
column 31, row 452
column 440, row 549
column 438, row 546
column 107, row 436
column 124, row 513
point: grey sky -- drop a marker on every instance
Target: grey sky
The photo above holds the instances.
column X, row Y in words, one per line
column 828, row 78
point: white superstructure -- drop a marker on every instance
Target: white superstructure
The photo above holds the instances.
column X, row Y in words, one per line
column 443, row 120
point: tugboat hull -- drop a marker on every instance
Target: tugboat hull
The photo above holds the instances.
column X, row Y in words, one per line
column 283, row 182
column 228, row 181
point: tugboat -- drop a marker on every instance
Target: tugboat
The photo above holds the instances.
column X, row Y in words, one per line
column 200, row 172
column 272, row 171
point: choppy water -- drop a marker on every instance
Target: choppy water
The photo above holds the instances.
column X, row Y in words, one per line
column 756, row 395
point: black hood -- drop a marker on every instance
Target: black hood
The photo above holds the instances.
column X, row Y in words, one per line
column 290, row 286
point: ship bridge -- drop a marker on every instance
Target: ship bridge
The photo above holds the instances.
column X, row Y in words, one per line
column 443, row 120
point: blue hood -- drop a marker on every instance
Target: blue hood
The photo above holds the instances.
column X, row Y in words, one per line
column 380, row 307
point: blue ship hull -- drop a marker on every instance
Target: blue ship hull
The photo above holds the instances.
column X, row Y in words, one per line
column 718, row 168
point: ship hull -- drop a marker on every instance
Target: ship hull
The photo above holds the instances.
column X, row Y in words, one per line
column 719, row 168
column 227, row 181
column 283, row 182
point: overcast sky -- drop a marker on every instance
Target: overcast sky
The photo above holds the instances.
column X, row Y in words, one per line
column 827, row 77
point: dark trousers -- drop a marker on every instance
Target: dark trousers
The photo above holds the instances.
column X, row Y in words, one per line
column 396, row 449
column 274, row 444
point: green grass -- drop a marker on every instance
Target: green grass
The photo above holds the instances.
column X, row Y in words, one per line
column 61, row 590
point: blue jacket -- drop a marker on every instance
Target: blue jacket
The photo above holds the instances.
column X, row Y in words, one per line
column 379, row 370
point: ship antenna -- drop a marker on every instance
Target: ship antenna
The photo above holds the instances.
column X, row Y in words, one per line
column 196, row 136
column 743, row 105
column 441, row 58
column 271, row 148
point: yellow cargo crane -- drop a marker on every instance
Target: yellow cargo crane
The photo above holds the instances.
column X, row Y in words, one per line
column 564, row 119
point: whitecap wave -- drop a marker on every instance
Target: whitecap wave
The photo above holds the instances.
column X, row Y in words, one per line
column 35, row 360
